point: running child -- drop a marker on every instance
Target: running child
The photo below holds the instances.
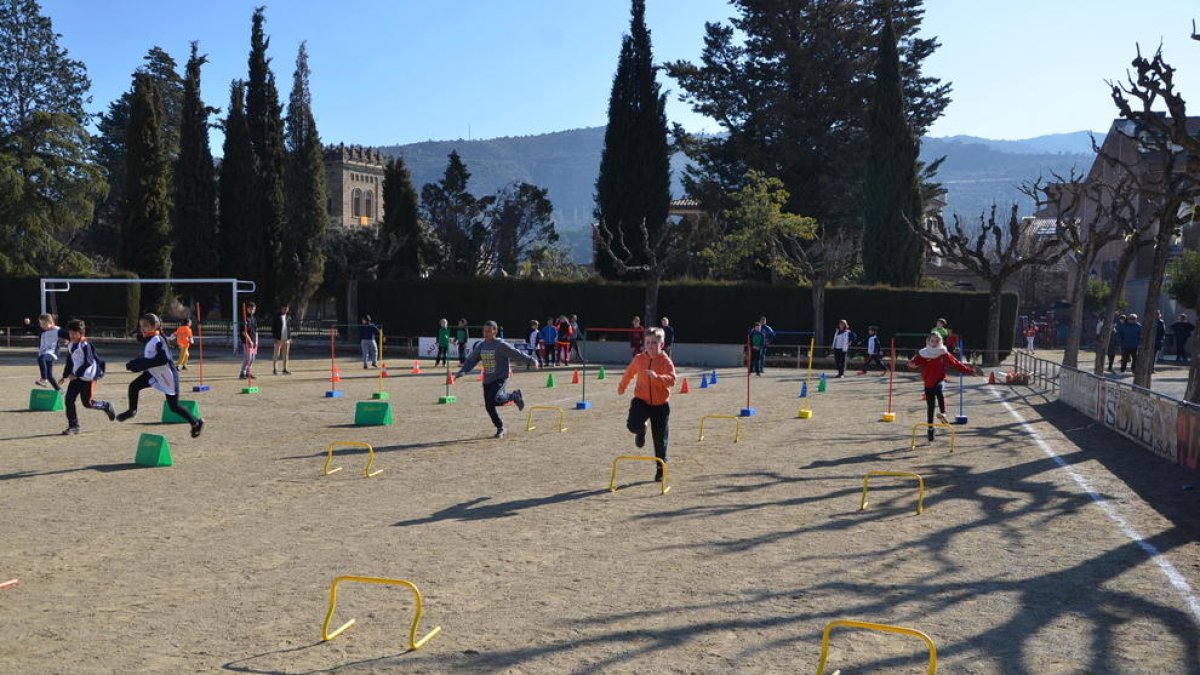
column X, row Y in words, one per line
column 495, row 355
column 80, row 374
column 48, row 336
column 655, row 375
column 183, row 338
column 157, row 371
column 932, row 361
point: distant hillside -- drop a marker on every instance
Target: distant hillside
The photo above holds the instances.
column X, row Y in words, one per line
column 977, row 171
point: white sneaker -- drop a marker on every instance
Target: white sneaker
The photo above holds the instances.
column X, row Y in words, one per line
column 941, row 417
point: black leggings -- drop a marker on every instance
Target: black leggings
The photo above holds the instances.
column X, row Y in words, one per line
column 839, row 360
column 46, row 369
column 934, row 395
column 143, row 382
column 442, row 356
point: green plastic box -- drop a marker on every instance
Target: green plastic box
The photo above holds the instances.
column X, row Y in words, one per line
column 153, row 450
column 373, row 414
column 45, row 399
column 169, row 417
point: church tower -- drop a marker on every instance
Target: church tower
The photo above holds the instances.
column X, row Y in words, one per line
column 354, row 185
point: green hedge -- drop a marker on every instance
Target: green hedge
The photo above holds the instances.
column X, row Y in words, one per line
column 701, row 312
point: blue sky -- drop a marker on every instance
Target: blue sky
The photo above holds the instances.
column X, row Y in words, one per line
column 400, row 71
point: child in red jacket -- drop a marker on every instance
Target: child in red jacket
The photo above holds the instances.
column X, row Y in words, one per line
column 933, row 360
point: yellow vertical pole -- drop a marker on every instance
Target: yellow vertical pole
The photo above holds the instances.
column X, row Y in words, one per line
column 382, row 360
column 812, row 343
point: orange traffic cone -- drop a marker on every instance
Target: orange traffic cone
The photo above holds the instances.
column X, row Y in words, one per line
column 575, row 378
column 449, row 378
column 684, row 389
column 336, row 376
column 992, row 377
column 385, row 372
column 416, row 368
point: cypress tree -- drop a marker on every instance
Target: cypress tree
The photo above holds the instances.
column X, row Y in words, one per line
column 892, row 253
column 302, row 262
column 195, row 253
column 239, row 240
column 146, row 227
column 264, row 119
column 634, row 185
column 403, row 234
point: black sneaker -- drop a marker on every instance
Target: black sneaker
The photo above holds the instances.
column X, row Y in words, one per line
column 197, row 428
column 501, row 433
column 274, row 372
column 286, row 371
column 242, row 376
column 108, row 410
column 639, row 439
column 931, row 435
column 518, row 399
column 658, row 475
column 127, row 415
column 71, row 431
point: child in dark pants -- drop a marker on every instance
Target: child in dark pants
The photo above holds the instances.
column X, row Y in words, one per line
column 933, row 360
column 655, row 374
column 495, row 355
column 80, row 375
column 48, row 337
column 157, row 371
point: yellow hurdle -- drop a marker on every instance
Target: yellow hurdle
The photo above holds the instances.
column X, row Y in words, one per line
column 367, row 473
column 561, row 417
column 924, row 425
column 413, row 643
column 737, row 433
column 883, row 628
column 920, row 487
column 612, row 483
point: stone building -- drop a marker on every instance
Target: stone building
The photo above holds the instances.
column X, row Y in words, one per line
column 354, row 185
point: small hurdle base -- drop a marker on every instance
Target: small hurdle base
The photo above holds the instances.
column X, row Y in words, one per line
column 447, row 399
column 583, row 405
column 612, row 483
column 804, row 414
column 380, row 396
column 249, row 390
column 888, row 417
column 201, row 387
column 334, row 394
column 961, row 419
column 748, row 412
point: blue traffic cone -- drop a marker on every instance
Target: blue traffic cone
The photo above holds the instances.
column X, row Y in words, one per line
column 803, row 390
column 713, row 379
column 704, row 380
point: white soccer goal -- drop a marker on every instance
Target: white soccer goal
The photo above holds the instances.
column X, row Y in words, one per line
column 237, row 288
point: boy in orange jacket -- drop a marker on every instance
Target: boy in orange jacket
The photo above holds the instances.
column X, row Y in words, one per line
column 655, row 373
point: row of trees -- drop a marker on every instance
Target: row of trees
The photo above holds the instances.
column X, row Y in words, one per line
column 821, row 105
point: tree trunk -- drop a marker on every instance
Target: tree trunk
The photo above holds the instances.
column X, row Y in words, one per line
column 1075, row 336
column 1192, row 395
column 1110, row 308
column 991, row 357
column 1146, row 352
column 652, row 283
column 818, row 303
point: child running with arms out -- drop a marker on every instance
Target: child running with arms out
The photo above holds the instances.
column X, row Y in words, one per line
column 157, row 371
column 495, row 355
column 82, row 370
column 655, row 375
column 48, row 336
column 932, row 361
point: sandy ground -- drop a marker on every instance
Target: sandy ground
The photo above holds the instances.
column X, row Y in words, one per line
column 222, row 563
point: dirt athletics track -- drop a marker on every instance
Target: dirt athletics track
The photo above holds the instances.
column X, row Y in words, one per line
column 222, row 563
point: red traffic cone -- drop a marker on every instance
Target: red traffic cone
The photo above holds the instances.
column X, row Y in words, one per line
column 385, row 372
column 449, row 378
column 416, row 368
column 685, row 388
column 336, row 376
column 575, row 378
column 992, row 377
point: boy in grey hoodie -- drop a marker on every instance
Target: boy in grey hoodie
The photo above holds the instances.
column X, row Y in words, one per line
column 495, row 355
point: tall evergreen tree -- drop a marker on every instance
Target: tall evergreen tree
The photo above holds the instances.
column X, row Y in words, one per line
column 240, row 242
column 634, row 185
column 195, row 253
column 48, row 181
column 146, row 229
column 893, row 254
column 456, row 217
column 264, row 119
column 790, row 82
column 402, row 232
column 302, row 262
column 109, row 144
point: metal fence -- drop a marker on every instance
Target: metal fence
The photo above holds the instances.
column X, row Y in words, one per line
column 1042, row 373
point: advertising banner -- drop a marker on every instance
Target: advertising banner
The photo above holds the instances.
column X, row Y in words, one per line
column 1144, row 418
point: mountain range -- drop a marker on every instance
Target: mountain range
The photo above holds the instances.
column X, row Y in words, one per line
column 976, row 173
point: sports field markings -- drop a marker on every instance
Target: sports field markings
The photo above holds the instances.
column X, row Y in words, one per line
column 1172, row 574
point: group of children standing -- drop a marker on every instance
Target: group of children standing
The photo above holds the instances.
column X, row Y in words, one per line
column 554, row 342
column 84, row 368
